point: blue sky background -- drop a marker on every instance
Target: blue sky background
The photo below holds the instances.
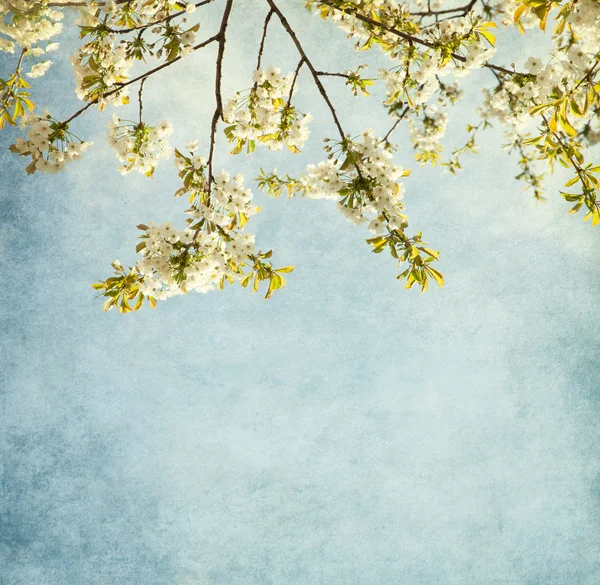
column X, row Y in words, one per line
column 345, row 432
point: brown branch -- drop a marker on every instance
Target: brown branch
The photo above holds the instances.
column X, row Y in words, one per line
column 77, row 4
column 263, row 38
column 396, row 124
column 464, row 9
column 327, row 74
column 155, row 22
column 140, row 101
column 21, row 56
column 300, row 63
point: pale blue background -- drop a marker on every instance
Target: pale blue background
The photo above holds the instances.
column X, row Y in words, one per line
column 346, row 432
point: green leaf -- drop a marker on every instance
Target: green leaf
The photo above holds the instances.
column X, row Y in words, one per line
column 246, row 281
column 139, row 303
column 437, row 276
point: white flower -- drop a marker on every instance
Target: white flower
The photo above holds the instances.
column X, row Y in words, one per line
column 39, row 69
column 139, row 147
column 534, row 65
column 198, row 162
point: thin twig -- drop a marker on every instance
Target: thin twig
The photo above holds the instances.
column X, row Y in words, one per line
column 464, row 9
column 18, row 69
column 155, row 22
column 327, row 74
column 396, row 124
column 140, row 92
column 300, row 63
column 263, row 38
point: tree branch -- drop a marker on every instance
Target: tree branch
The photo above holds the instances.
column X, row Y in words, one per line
column 406, row 36
column 327, row 74
column 314, row 72
column 464, row 9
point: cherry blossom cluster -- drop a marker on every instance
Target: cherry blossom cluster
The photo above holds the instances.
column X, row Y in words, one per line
column 217, row 202
column 49, row 144
column 583, row 21
column 362, row 177
column 99, row 66
column 139, row 146
column 164, row 251
column 264, row 114
column 515, row 100
column 25, row 23
column 213, row 249
column 426, row 133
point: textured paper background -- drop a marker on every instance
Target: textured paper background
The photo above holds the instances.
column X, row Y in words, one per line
column 347, row 432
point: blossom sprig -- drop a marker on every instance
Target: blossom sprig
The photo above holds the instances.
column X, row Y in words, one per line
column 452, row 46
column 528, row 157
column 139, row 146
column 122, row 288
column 553, row 146
column 49, row 143
column 357, row 82
column 453, row 164
column 166, row 21
column 264, row 114
column 360, row 175
column 211, row 251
